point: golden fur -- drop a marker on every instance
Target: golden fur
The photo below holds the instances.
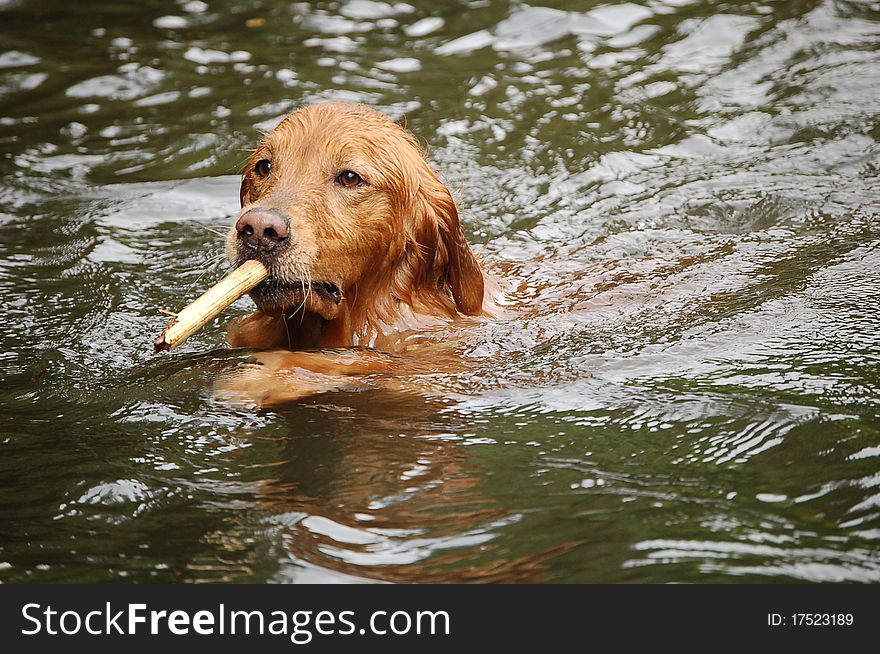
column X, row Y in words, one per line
column 392, row 246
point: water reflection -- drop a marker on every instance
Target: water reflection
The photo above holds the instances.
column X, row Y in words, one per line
column 396, row 507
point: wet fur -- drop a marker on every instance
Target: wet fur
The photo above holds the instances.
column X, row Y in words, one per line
column 393, row 246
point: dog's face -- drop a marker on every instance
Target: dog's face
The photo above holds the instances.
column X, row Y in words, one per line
column 316, row 209
column 337, row 201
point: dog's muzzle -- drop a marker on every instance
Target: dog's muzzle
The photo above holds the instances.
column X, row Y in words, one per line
column 262, row 231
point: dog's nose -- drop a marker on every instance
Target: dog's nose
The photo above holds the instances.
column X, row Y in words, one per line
column 262, row 230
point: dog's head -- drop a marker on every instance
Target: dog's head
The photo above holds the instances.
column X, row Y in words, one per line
column 341, row 206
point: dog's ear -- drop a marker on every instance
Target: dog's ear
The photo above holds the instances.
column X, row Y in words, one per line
column 454, row 264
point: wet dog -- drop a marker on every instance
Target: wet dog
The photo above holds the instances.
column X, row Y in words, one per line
column 364, row 250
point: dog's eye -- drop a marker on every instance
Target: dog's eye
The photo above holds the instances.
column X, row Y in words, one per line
column 349, row 178
column 263, row 167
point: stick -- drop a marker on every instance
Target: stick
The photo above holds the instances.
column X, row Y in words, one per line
column 207, row 307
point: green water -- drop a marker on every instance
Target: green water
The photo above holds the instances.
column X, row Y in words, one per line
column 683, row 197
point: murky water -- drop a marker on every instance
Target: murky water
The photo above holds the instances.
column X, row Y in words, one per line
column 682, row 195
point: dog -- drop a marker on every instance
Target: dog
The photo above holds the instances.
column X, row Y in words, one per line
column 364, row 249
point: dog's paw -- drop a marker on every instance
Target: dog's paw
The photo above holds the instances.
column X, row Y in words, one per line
column 271, row 382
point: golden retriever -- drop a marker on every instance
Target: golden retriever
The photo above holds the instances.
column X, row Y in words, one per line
column 364, row 248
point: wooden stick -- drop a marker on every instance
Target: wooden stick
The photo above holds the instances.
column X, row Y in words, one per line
column 207, row 307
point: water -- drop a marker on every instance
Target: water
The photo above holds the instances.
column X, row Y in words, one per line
column 681, row 196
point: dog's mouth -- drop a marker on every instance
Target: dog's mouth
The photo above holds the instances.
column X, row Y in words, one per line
column 276, row 297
